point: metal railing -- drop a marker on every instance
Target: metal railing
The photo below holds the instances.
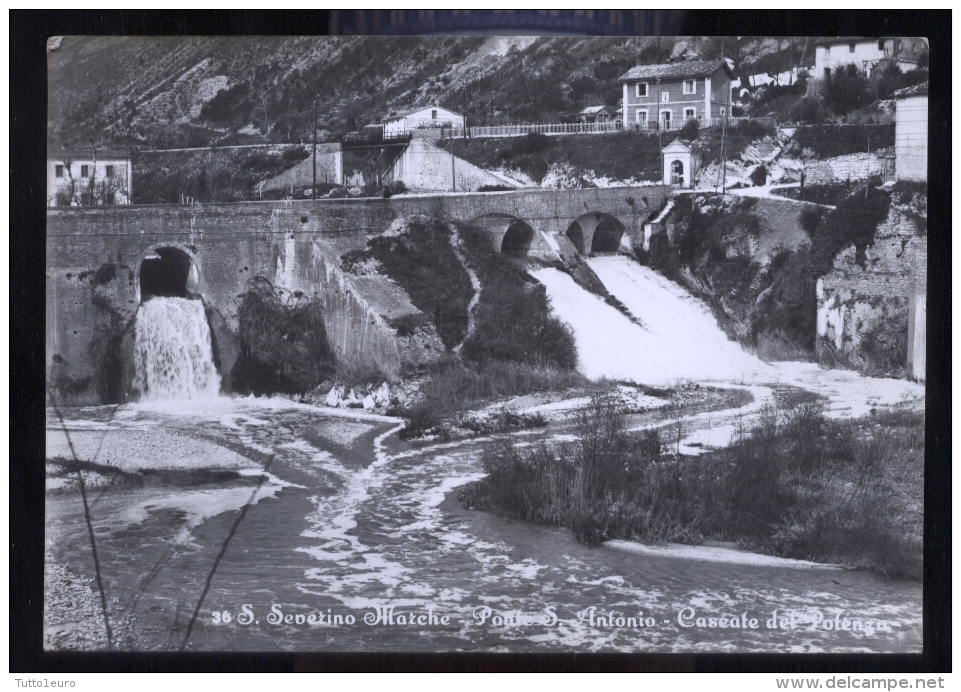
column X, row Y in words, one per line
column 586, row 128
column 540, row 128
column 375, row 137
column 679, row 123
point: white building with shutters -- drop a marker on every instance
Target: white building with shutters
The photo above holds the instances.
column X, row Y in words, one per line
column 421, row 118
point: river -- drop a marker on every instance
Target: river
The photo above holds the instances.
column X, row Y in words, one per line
column 357, row 542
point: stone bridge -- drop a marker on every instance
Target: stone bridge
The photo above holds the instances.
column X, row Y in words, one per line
column 103, row 262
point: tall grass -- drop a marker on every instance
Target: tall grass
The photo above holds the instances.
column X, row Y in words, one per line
column 454, row 386
column 795, row 484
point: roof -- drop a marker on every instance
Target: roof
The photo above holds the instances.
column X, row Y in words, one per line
column 594, row 109
column 103, row 154
column 676, row 70
column 916, row 90
column 677, row 145
column 832, row 40
column 403, row 114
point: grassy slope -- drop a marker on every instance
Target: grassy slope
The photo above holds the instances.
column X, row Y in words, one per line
column 423, row 263
column 517, row 347
column 514, row 322
column 620, row 156
column 226, row 175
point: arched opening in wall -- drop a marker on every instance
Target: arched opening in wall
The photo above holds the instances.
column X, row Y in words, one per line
column 607, row 235
column 677, row 173
column 167, row 272
column 517, row 241
column 576, row 235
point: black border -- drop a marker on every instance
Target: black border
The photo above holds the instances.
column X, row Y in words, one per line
column 28, row 104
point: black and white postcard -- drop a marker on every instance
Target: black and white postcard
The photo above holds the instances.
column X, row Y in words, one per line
column 486, row 344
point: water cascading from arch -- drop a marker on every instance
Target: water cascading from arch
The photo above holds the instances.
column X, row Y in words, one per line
column 173, row 352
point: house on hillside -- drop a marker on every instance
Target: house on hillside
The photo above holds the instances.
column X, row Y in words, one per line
column 421, row 118
column 594, row 114
column 865, row 53
column 668, row 95
column 911, row 133
column 78, row 178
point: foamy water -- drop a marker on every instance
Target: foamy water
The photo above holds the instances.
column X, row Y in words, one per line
column 173, row 358
column 678, row 338
column 349, row 520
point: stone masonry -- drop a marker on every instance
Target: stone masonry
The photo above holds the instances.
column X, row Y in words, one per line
column 872, row 317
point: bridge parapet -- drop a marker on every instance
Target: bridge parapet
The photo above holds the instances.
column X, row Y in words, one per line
column 546, row 210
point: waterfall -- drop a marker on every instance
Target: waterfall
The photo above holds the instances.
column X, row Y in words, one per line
column 172, row 353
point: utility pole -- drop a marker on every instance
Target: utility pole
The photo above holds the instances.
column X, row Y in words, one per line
column 265, row 119
column 453, row 178
column 465, row 114
column 723, row 155
column 867, row 183
column 313, row 189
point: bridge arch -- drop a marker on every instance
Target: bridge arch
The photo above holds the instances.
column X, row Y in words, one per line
column 596, row 232
column 517, row 239
column 509, row 234
column 168, row 270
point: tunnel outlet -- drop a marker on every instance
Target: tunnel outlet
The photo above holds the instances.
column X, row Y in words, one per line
column 517, row 241
column 167, row 272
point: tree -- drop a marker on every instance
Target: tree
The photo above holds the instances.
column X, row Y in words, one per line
column 738, row 49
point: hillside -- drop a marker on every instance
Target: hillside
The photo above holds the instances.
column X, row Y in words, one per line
column 194, row 91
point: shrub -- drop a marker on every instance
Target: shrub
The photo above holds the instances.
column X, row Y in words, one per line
column 690, row 130
column 845, row 92
column 495, row 188
column 759, row 175
column 601, row 487
column 796, row 484
column 855, row 220
column 811, row 218
column 283, row 346
column 810, row 109
column 228, row 105
column 828, row 141
column 755, row 129
column 396, row 187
